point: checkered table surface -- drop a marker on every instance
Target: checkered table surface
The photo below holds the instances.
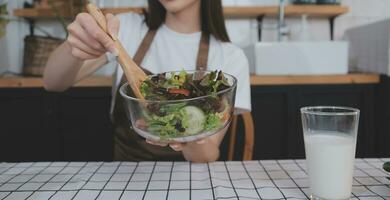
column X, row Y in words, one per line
column 271, row 179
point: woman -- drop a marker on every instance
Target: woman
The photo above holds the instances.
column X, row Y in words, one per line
column 173, row 35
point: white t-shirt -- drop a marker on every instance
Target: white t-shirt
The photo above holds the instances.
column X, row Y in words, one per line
column 173, row 51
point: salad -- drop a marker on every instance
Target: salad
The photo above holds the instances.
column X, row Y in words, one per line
column 168, row 114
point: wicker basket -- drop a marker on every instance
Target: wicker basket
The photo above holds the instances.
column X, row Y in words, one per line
column 37, row 50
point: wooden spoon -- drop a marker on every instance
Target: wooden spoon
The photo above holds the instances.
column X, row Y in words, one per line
column 134, row 74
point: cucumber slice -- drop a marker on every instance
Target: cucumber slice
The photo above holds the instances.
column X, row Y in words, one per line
column 196, row 118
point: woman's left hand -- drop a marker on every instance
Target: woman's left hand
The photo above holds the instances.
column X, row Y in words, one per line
column 176, row 146
column 201, row 151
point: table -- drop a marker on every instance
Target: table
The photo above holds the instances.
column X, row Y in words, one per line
column 268, row 179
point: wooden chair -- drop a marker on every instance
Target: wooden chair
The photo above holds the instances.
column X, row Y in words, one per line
column 249, row 136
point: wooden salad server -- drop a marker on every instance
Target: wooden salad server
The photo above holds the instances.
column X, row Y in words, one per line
column 134, row 74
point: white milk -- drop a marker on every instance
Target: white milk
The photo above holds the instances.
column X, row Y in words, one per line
column 330, row 158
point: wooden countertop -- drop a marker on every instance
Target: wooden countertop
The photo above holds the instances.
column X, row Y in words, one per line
column 34, row 82
column 315, row 79
column 256, row 80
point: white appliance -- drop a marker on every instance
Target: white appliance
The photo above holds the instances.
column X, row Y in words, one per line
column 298, row 58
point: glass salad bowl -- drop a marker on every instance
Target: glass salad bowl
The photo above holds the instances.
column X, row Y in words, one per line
column 182, row 120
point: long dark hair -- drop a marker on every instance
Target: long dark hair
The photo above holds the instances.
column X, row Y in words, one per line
column 212, row 19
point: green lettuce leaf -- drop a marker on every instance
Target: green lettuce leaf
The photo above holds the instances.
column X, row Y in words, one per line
column 212, row 121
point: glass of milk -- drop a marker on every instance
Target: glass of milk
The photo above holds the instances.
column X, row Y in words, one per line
column 330, row 142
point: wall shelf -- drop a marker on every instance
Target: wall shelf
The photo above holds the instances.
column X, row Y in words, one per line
column 324, row 11
column 258, row 12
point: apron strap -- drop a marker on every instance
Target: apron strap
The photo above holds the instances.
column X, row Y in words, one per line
column 203, row 53
column 141, row 52
column 144, row 46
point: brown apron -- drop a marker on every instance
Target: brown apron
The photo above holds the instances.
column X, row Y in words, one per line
column 128, row 145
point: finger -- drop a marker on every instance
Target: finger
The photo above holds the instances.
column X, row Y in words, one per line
column 201, row 141
column 78, row 32
column 90, row 25
column 156, row 143
column 176, row 147
column 140, row 123
column 113, row 24
column 78, row 53
column 75, row 42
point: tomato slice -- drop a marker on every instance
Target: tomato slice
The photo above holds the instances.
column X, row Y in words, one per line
column 184, row 92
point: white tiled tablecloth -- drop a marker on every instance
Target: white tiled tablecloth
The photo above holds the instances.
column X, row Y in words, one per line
column 268, row 179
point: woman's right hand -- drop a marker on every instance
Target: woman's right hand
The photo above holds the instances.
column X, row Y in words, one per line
column 88, row 41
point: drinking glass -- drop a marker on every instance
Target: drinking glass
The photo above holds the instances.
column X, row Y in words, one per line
column 330, row 142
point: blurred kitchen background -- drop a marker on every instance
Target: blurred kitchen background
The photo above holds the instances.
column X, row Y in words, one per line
column 301, row 52
column 243, row 30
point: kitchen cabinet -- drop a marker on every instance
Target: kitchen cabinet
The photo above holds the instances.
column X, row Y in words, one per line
column 36, row 125
column 383, row 117
column 84, row 124
column 27, row 130
column 40, row 126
